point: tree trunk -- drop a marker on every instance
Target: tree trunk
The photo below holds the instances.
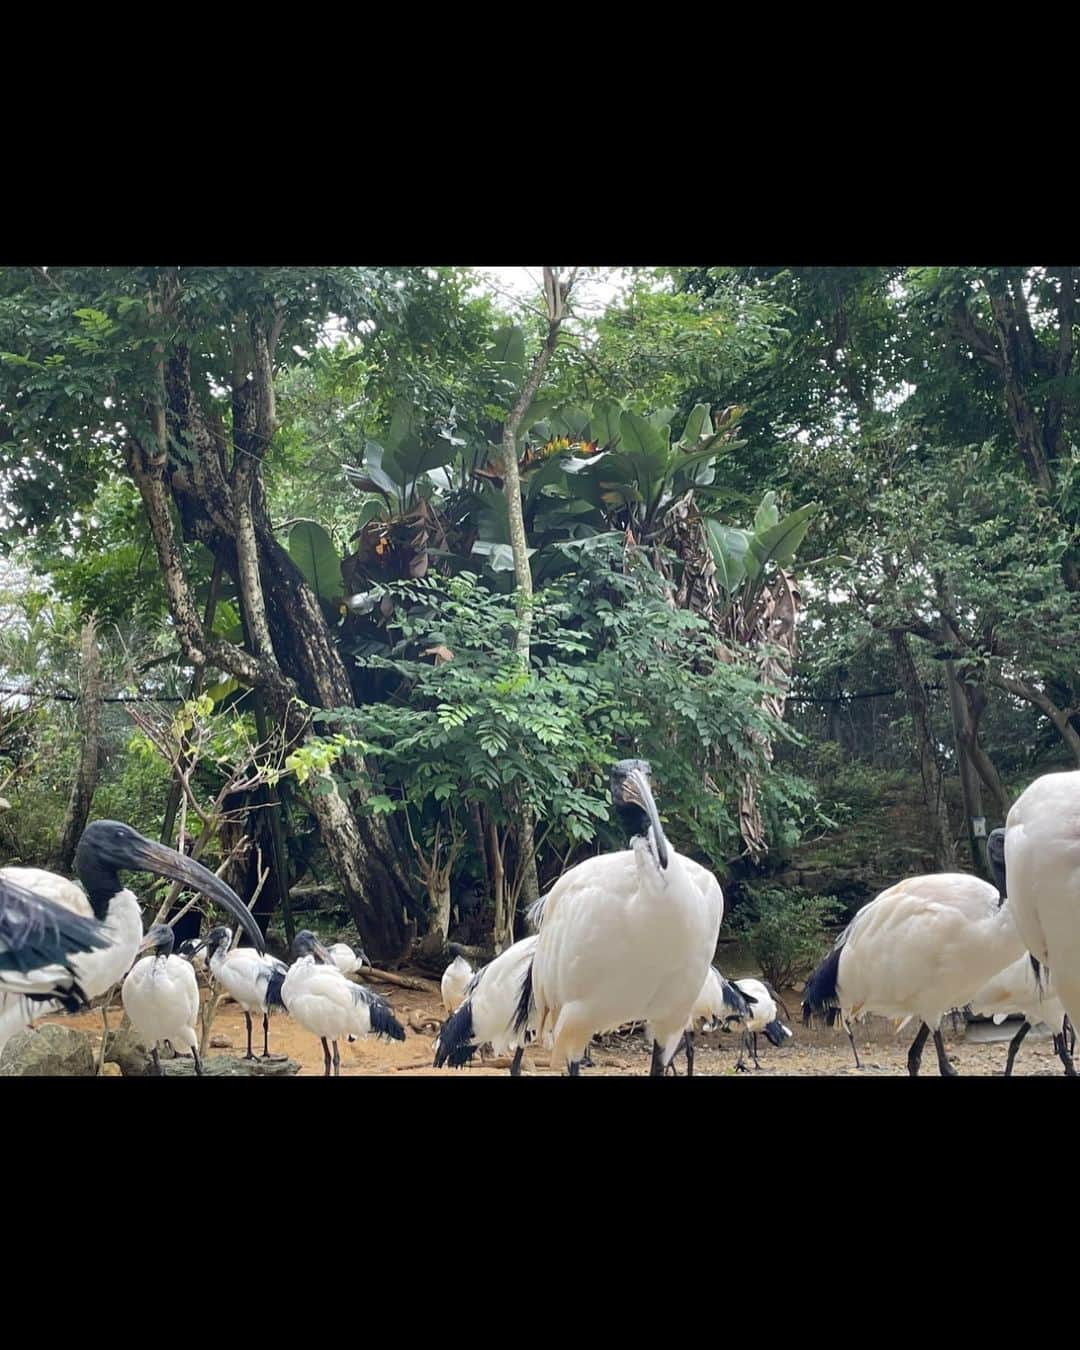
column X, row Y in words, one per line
column 933, row 788
column 293, row 648
column 82, row 791
column 555, row 295
column 975, row 702
column 969, row 780
column 1060, row 717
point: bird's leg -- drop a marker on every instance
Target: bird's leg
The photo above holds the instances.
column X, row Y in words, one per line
column 740, row 1067
column 326, row 1056
column 198, row 1062
column 586, row 1058
column 851, row 1038
column 104, row 1036
column 1064, row 1055
column 914, row 1055
column 266, row 1040
column 688, row 1042
column 157, row 1062
column 247, row 1019
column 757, row 1062
column 515, row 1067
column 573, row 1069
column 1014, row 1045
column 656, row 1069
column 947, row 1070
column 337, row 1061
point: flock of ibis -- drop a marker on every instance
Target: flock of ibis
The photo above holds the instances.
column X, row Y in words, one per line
column 622, row 939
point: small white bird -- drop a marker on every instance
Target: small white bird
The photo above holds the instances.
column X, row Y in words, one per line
column 921, row 948
column 487, row 1013
column 1017, row 989
column 625, row 937
column 318, row 996
column 253, row 981
column 347, row 960
column 161, row 996
column 455, row 981
column 720, row 1002
column 763, row 1017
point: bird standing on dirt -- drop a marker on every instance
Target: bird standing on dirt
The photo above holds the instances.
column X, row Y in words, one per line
column 252, row 981
column 318, row 996
column 161, row 996
column 763, row 1017
column 921, row 948
column 624, row 937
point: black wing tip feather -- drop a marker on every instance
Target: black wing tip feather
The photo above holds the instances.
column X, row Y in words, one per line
column 820, row 995
column 456, row 1045
column 776, row 1032
column 383, row 1021
column 273, row 990
column 524, row 1007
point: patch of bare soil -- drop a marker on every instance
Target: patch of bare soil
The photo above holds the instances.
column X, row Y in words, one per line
column 811, row 1052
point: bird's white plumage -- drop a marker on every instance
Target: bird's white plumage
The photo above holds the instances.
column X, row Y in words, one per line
column 455, row 981
column 345, row 958
column 763, row 1010
column 1016, row 990
column 245, row 975
column 923, row 947
column 161, row 996
column 98, row 970
column 623, row 940
column 51, row 886
column 1042, row 864
column 493, row 993
column 325, row 1002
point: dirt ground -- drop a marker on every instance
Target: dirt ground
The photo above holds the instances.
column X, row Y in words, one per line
column 810, row 1052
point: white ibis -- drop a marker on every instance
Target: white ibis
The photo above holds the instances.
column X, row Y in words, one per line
column 348, row 961
column 920, row 949
column 1042, row 858
column 487, row 1013
column 763, row 1017
column 254, row 982
column 318, row 996
column 720, row 1001
column 625, row 937
column 38, row 941
column 106, row 848
column 161, row 996
column 455, row 980
column 1017, row 989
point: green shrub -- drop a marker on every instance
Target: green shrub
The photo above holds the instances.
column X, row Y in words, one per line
column 786, row 930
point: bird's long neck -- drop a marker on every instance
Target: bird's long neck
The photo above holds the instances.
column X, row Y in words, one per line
column 101, row 883
column 642, row 834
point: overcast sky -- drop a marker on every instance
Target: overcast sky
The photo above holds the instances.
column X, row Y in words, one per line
column 595, row 287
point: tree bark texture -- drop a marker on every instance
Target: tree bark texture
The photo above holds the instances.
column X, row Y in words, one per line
column 933, row 787
column 82, row 791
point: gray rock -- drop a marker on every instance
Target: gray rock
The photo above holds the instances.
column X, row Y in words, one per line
column 126, row 1049
column 231, row 1066
column 52, row 1051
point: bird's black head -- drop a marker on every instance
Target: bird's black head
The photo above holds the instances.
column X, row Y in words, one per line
column 218, row 937
column 307, row 944
column 995, row 855
column 158, row 940
column 108, row 846
column 632, row 797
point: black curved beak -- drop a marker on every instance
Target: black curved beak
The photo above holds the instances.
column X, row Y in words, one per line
column 323, row 955
column 165, row 862
column 636, row 789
